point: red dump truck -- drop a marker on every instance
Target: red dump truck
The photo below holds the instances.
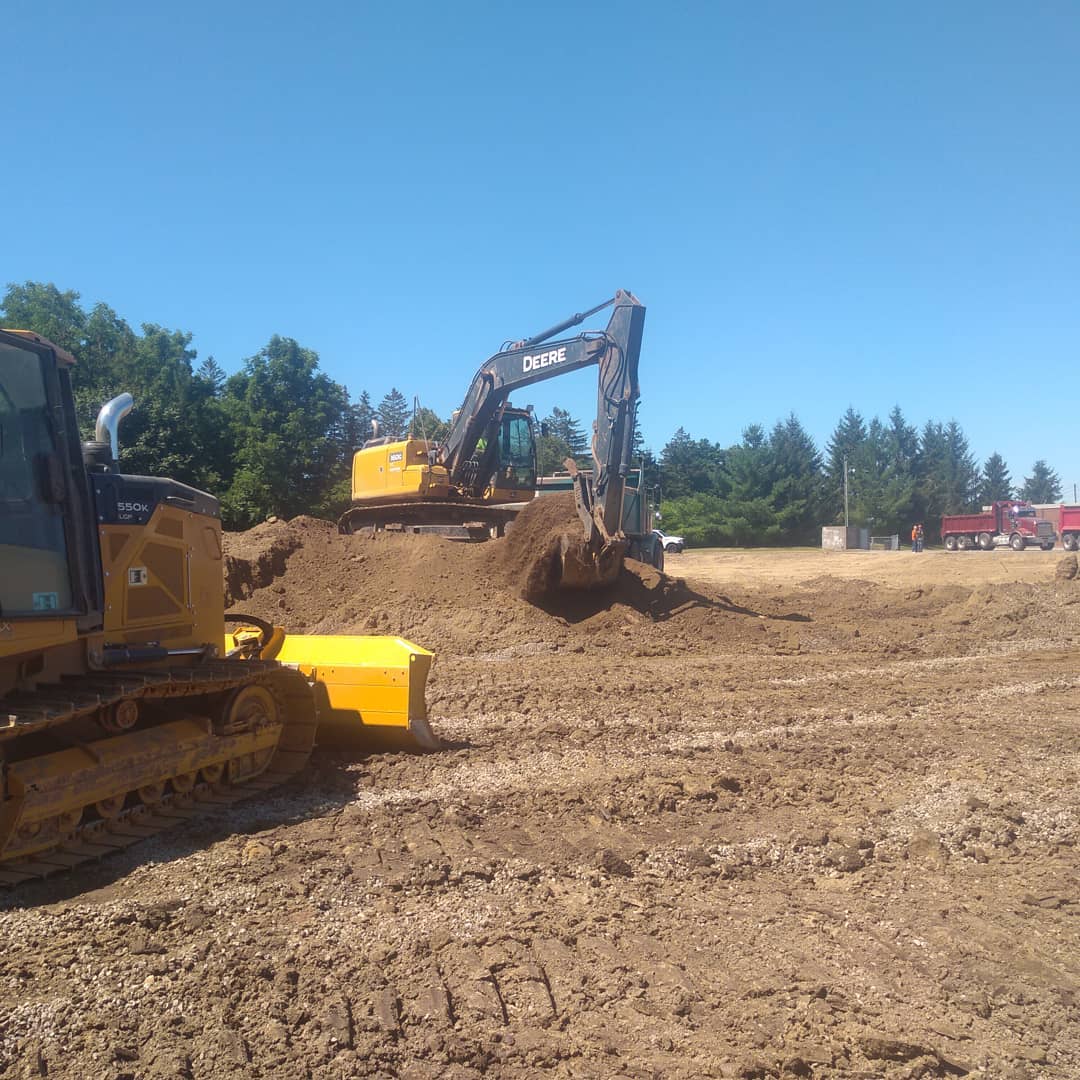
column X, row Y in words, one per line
column 1069, row 524
column 1008, row 522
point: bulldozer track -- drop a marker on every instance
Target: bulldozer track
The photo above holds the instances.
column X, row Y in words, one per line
column 83, row 696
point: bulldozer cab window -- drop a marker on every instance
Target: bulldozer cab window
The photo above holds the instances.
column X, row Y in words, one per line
column 34, row 575
column 517, row 453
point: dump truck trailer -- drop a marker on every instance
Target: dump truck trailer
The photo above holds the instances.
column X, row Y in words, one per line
column 1006, row 523
column 1069, row 525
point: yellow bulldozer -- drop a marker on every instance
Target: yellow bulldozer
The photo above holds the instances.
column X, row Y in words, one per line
column 127, row 698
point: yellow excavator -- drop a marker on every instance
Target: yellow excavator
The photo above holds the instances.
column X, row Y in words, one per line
column 484, row 471
column 127, row 699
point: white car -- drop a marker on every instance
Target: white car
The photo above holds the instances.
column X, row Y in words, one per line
column 670, row 543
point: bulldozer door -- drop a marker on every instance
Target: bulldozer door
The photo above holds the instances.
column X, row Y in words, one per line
column 35, row 576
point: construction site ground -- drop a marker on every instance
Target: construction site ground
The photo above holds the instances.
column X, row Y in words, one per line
column 778, row 813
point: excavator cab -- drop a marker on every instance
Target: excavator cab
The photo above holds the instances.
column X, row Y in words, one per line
column 512, row 469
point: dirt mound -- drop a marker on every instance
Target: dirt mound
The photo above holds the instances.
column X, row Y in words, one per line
column 470, row 598
column 253, row 559
column 1066, row 569
column 467, row 599
column 531, row 552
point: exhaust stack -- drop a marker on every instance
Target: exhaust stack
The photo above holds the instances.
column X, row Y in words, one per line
column 108, row 421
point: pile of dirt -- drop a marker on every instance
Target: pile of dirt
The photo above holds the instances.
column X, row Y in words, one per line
column 1066, row 569
column 253, row 559
column 469, row 599
column 473, row 598
column 531, row 553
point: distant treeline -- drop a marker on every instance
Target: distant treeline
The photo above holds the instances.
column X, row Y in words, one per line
column 775, row 487
column 277, row 437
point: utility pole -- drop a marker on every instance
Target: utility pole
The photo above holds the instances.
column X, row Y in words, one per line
column 845, row 493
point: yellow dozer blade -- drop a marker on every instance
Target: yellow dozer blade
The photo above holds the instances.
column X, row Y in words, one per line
column 369, row 691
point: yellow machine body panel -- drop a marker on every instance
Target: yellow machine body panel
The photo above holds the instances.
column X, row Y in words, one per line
column 397, row 471
column 369, row 690
column 19, row 636
column 163, row 579
column 502, row 491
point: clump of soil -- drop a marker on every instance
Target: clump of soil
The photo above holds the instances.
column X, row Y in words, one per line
column 1066, row 569
column 532, row 552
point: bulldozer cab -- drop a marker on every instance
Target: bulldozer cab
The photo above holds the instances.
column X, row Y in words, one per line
column 35, row 567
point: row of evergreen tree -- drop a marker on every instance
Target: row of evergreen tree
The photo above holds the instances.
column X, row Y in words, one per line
column 277, row 437
column 776, row 487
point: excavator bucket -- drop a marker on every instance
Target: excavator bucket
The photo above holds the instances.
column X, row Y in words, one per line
column 584, row 566
column 369, row 691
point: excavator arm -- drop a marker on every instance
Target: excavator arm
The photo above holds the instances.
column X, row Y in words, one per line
column 616, row 351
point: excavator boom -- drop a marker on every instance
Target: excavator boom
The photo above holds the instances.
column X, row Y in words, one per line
column 615, row 350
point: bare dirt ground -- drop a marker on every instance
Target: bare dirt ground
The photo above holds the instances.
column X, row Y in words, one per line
column 795, row 815
column 796, row 566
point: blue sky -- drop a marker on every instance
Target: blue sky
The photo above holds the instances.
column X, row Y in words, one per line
column 821, row 204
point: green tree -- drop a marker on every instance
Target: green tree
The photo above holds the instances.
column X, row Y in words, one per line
column 748, row 471
column 847, row 438
column 393, row 414
column 689, row 465
column 290, row 427
column 637, row 445
column 962, row 475
column 47, row 311
column 212, row 373
column 900, row 463
column 996, row 483
column 426, row 423
column 361, row 413
column 767, row 489
column 797, row 492
column 562, row 426
column 1042, row 486
column 175, row 428
column 882, row 485
column 551, row 454
column 867, row 462
column 948, row 476
column 108, row 358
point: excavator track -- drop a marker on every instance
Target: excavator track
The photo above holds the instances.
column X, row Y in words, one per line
column 251, row 726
